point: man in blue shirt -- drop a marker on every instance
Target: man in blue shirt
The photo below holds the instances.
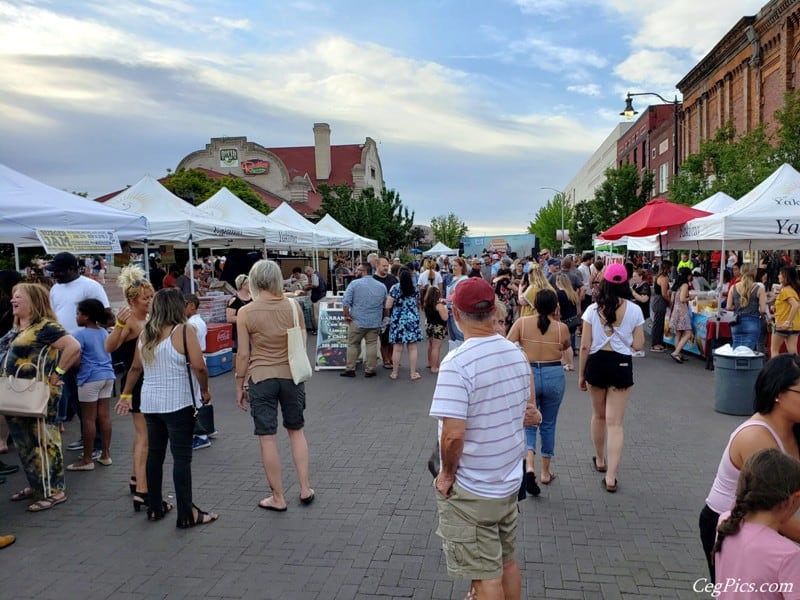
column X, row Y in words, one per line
column 363, row 312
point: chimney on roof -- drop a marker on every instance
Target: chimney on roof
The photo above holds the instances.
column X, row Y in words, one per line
column 322, row 151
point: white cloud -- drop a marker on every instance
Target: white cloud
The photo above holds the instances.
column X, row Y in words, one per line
column 554, row 57
column 587, row 89
column 552, row 8
column 651, row 68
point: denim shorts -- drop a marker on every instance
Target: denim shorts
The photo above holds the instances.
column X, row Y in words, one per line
column 605, row 369
column 264, row 399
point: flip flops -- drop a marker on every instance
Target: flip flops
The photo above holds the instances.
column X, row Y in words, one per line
column 602, row 469
column 609, row 488
column 308, row 499
column 23, row 494
column 46, row 503
column 549, row 481
column 268, row 504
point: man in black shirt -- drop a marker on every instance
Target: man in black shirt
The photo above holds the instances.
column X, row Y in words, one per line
column 382, row 274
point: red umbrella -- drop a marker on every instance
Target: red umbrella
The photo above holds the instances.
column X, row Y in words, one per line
column 654, row 217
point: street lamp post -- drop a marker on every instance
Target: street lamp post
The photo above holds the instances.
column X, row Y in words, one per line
column 561, row 198
column 629, row 112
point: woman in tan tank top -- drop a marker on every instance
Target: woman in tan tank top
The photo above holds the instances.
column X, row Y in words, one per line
column 543, row 339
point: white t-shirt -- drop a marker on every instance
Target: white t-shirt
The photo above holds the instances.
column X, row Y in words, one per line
column 586, row 274
column 64, row 298
column 201, row 328
column 486, row 382
column 621, row 338
column 424, row 281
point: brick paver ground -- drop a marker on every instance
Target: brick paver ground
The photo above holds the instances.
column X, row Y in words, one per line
column 370, row 532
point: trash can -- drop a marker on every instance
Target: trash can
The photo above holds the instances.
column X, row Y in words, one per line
column 734, row 389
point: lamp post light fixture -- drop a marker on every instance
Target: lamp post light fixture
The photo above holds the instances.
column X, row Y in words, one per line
column 562, row 199
column 629, row 112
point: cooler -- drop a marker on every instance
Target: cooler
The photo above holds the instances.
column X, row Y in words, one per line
column 219, row 337
column 219, row 362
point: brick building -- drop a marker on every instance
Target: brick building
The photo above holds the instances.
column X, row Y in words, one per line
column 743, row 78
column 648, row 144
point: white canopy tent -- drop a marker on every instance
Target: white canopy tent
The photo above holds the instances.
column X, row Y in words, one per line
column 357, row 242
column 302, row 232
column 716, row 203
column 767, row 217
column 27, row 205
column 438, row 249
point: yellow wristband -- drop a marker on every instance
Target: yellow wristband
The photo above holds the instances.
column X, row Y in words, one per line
column 60, row 371
column 120, row 325
column 126, row 396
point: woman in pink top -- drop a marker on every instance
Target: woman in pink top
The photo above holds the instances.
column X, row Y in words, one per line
column 750, row 555
column 775, row 424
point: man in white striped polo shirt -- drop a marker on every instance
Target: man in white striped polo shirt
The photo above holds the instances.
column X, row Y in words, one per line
column 483, row 398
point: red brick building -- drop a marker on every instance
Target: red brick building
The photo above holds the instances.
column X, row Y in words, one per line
column 648, row 144
column 743, row 78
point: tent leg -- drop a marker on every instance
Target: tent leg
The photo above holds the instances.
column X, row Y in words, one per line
column 16, row 257
column 191, row 265
column 146, row 261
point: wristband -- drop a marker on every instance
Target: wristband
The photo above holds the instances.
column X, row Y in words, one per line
column 60, row 371
column 120, row 325
column 126, row 396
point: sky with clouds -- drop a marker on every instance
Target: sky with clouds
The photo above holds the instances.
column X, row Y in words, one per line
column 475, row 104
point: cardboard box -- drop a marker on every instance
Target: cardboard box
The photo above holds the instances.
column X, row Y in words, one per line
column 219, row 337
column 219, row 362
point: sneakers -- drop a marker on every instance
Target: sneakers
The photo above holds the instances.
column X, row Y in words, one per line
column 73, row 446
column 639, row 354
column 213, row 434
column 199, row 443
column 96, row 454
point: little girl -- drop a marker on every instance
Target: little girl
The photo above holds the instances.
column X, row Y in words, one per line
column 95, row 383
column 751, row 557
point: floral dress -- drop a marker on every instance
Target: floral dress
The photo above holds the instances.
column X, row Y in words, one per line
column 680, row 319
column 404, row 327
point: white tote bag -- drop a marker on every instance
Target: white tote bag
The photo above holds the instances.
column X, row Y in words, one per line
column 299, row 364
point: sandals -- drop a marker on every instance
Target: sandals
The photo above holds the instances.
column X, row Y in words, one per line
column 132, row 484
column 415, row 376
column 308, row 499
column 677, row 358
column 602, row 469
column 393, row 375
column 46, row 503
column 609, row 488
column 203, row 518
column 157, row 513
column 269, row 504
column 549, row 481
column 23, row 494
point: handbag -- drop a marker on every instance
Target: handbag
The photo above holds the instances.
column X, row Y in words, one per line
column 573, row 323
column 189, row 371
column 299, row 364
column 21, row 397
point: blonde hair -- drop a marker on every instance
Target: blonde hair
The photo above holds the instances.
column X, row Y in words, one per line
column 563, row 283
column 536, row 282
column 265, row 275
column 133, row 283
column 39, row 297
column 747, row 273
column 169, row 308
column 240, row 281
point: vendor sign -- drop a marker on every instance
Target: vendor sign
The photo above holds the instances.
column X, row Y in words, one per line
column 79, row 242
column 331, row 337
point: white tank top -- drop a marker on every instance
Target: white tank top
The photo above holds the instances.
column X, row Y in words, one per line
column 166, row 382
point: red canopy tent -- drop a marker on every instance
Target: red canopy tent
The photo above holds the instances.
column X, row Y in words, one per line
column 653, row 218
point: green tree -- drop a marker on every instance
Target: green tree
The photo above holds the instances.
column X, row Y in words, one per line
column 195, row 186
column 585, row 225
column 623, row 192
column 549, row 219
column 448, row 229
column 380, row 217
column 788, row 133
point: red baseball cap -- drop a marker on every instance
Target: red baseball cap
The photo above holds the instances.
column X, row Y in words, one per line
column 474, row 296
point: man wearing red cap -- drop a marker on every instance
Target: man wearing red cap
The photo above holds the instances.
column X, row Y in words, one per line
column 482, row 402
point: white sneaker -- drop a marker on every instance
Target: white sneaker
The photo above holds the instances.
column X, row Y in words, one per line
column 639, row 354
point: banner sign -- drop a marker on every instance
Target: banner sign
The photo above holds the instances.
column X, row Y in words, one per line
column 521, row 244
column 229, row 157
column 79, row 242
column 331, row 337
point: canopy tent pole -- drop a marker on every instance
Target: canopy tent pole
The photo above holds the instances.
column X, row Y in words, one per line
column 191, row 265
column 146, row 261
column 16, row 257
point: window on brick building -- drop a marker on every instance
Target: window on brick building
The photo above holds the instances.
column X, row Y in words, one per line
column 663, row 177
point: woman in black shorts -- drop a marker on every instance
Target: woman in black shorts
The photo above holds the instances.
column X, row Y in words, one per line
column 612, row 329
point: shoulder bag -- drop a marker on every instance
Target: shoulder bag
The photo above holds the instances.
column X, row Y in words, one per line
column 204, row 414
column 299, row 364
column 21, row 397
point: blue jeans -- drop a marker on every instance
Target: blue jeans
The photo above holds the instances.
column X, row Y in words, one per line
column 549, row 384
column 746, row 332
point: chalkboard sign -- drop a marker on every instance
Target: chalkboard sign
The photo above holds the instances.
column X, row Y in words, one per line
column 331, row 337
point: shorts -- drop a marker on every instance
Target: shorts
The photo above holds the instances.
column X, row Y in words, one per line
column 264, row 399
column 436, row 332
column 92, row 391
column 605, row 369
column 784, row 332
column 478, row 534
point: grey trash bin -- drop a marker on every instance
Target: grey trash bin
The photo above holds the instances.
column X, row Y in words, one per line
column 734, row 389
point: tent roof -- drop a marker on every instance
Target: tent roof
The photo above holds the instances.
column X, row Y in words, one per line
column 358, row 242
column 768, row 216
column 175, row 220
column 716, row 203
column 304, row 232
column 438, row 249
column 27, row 204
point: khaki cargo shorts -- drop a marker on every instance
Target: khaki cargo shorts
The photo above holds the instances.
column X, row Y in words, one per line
column 478, row 534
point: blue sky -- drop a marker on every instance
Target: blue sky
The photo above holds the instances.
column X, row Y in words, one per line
column 475, row 104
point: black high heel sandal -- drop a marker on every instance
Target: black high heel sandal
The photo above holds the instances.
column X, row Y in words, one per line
column 139, row 500
column 156, row 514
column 132, row 484
column 203, row 518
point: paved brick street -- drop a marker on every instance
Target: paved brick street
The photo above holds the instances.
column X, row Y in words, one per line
column 370, row 532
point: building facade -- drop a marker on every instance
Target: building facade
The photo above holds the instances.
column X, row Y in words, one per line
column 291, row 174
column 593, row 172
column 648, row 144
column 743, row 79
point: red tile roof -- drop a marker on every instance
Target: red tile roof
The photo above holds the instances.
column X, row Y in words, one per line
column 299, row 161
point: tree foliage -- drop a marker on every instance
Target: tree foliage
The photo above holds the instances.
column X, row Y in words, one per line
column 549, row 219
column 380, row 217
column 448, row 229
column 195, row 186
